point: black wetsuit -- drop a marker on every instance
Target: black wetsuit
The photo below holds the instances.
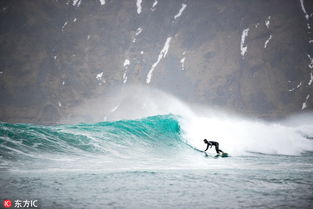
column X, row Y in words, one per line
column 213, row 143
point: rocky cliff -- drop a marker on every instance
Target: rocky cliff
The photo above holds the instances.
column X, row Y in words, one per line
column 254, row 57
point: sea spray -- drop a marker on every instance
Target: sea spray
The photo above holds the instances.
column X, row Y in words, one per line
column 240, row 136
column 156, row 142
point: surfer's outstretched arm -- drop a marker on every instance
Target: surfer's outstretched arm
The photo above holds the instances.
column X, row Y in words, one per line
column 207, row 147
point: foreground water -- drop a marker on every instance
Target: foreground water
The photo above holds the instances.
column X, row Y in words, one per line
column 149, row 163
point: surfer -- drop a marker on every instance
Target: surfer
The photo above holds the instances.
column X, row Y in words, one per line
column 212, row 143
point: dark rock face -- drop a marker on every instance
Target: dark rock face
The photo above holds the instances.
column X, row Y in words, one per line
column 253, row 57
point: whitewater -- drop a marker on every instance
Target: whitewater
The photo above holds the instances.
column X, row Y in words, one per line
column 156, row 160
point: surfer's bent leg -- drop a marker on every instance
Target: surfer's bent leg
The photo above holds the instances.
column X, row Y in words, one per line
column 217, row 148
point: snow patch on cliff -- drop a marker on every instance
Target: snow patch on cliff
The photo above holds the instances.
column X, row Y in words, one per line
column 304, row 11
column 182, row 62
column 183, row 7
column 102, row 2
column 267, row 41
column 138, row 4
column 138, row 31
column 76, row 3
column 154, row 5
column 126, row 63
column 304, row 104
column 115, row 108
column 99, row 76
column 243, row 45
column 125, row 77
column 162, row 54
column 267, row 21
column 311, row 62
column 311, row 79
column 65, row 23
column 298, row 86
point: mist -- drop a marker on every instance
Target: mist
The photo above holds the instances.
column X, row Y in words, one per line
column 236, row 134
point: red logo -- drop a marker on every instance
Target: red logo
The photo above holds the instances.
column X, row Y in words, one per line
column 7, row 203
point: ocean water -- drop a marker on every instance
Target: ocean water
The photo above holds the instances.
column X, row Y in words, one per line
column 156, row 162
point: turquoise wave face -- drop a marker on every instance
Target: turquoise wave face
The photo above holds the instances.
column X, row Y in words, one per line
column 162, row 141
column 156, row 133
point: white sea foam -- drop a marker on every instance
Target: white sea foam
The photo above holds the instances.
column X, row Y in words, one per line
column 240, row 136
column 237, row 135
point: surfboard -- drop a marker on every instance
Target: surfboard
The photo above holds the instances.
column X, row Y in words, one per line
column 222, row 155
column 206, row 155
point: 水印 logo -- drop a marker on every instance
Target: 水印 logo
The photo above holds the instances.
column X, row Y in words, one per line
column 7, row 203
column 21, row 204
